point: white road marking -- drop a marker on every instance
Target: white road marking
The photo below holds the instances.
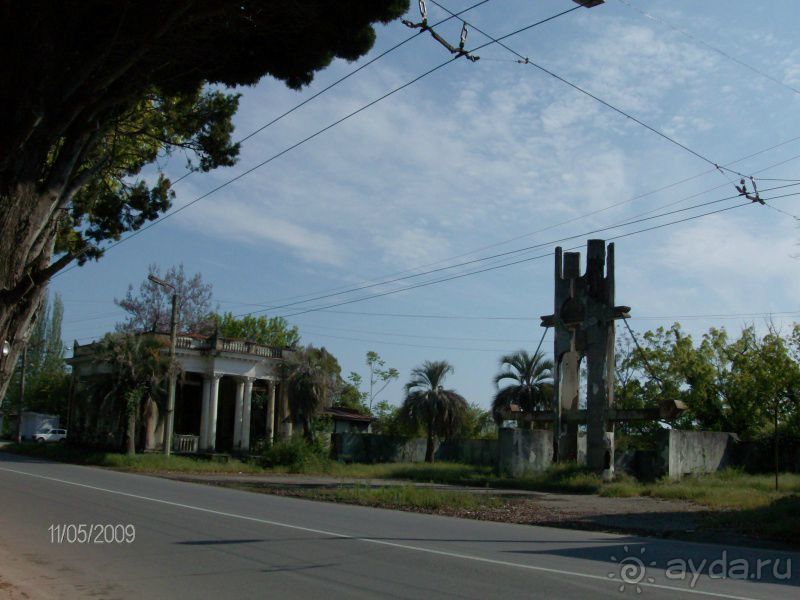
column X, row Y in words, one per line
column 334, row 534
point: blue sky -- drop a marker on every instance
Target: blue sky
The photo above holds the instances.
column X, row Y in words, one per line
column 477, row 154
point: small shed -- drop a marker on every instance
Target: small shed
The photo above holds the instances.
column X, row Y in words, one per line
column 348, row 420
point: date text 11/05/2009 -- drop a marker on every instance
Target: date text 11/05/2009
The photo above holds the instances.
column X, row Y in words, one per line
column 92, row 533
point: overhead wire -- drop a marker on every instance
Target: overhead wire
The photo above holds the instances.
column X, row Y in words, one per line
column 496, row 267
column 342, row 79
column 550, row 227
column 319, row 132
column 495, row 256
column 710, row 47
column 527, row 61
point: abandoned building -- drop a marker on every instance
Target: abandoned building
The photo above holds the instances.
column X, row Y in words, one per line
column 228, row 395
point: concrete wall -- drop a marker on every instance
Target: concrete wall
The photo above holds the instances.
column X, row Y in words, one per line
column 523, row 451
column 680, row 453
column 376, row 448
column 690, row 452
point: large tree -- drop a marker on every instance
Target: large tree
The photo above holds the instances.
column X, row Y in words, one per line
column 150, row 308
column 94, row 91
column 46, row 377
column 132, row 384
column 427, row 404
column 312, row 376
column 728, row 383
column 270, row 331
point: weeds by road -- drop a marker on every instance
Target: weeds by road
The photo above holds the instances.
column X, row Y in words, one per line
column 736, row 500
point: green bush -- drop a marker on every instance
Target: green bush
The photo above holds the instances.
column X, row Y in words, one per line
column 297, row 455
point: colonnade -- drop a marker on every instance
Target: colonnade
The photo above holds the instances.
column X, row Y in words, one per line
column 242, row 413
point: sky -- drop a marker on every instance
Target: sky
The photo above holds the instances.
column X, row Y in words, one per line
column 494, row 156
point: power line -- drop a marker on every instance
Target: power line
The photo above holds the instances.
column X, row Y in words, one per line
column 495, row 256
column 341, row 79
column 525, row 60
column 716, row 187
column 419, row 336
column 303, row 141
column 710, row 47
column 529, row 318
column 780, row 210
column 376, row 281
column 774, row 179
column 408, row 345
column 496, row 267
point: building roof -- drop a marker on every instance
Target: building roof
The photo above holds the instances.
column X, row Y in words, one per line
column 347, row 414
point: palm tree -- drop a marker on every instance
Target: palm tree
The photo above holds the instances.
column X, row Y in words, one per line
column 311, row 375
column 532, row 383
column 137, row 368
column 429, row 405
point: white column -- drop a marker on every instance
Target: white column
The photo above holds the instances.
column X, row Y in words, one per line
column 237, row 415
column 204, row 413
column 211, row 442
column 271, row 434
column 248, row 397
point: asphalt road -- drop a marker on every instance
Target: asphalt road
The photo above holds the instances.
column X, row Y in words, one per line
column 196, row 541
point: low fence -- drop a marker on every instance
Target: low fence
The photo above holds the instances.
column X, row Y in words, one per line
column 376, row 448
column 186, row 444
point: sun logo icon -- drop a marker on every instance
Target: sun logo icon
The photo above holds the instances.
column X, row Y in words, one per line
column 632, row 570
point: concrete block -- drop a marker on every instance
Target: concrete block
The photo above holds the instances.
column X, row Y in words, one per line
column 694, row 452
column 524, row 451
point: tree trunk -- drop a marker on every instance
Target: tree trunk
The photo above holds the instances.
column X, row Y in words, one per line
column 130, row 434
column 429, row 449
column 133, row 403
column 151, row 418
column 27, row 236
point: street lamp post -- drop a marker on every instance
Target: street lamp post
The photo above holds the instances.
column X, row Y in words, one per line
column 173, row 336
column 21, row 393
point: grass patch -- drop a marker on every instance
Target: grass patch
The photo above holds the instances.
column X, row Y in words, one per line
column 779, row 520
column 568, row 478
column 399, row 497
column 141, row 463
column 728, row 489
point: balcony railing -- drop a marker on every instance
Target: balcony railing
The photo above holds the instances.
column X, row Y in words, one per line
column 228, row 345
column 219, row 344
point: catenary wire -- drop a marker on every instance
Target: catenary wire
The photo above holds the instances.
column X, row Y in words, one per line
column 499, row 255
column 710, row 47
column 342, row 79
column 319, row 132
column 527, row 61
column 497, row 267
column 550, row 227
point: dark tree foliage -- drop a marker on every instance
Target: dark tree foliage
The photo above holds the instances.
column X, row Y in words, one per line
column 95, row 90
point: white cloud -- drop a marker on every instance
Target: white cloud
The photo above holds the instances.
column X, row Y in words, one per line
column 236, row 221
column 733, row 263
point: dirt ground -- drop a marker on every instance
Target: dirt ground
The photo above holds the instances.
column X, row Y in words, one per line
column 27, row 577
